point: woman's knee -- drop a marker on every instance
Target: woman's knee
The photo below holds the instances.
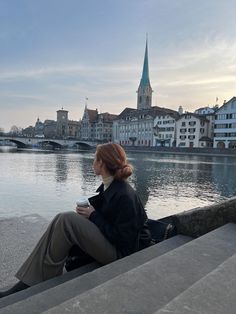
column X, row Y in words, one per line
column 69, row 216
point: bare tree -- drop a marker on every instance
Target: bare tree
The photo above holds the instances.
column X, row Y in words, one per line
column 15, row 130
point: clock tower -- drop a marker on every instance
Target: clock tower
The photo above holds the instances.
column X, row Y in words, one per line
column 62, row 123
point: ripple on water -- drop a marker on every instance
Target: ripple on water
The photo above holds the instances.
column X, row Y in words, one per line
column 48, row 183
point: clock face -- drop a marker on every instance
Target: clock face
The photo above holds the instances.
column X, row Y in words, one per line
column 63, row 117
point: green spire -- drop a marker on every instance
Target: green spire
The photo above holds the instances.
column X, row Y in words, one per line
column 145, row 76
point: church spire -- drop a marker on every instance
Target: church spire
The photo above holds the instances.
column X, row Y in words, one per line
column 145, row 76
column 145, row 91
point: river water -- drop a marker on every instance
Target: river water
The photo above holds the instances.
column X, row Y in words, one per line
column 47, row 183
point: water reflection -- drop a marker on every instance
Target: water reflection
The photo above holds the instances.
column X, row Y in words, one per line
column 61, row 169
column 182, row 182
column 141, row 180
column 86, row 163
column 224, row 177
column 48, row 183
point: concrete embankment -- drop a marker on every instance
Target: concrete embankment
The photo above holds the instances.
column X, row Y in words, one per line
column 183, row 151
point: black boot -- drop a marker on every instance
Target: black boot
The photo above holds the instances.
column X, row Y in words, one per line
column 17, row 287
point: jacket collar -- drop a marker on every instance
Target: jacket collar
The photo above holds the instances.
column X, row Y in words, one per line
column 111, row 190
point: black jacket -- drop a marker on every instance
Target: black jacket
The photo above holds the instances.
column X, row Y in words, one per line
column 120, row 216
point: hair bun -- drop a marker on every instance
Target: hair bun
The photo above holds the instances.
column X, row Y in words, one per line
column 124, row 172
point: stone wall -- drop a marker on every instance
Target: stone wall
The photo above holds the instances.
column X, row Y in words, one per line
column 183, row 150
column 201, row 220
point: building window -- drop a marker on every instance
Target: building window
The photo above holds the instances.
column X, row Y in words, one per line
column 220, row 135
column 221, row 126
column 221, row 117
column 183, row 123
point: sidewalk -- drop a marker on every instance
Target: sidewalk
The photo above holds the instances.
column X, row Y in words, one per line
column 18, row 236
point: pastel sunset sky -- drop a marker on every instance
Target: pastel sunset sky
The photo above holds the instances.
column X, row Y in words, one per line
column 55, row 53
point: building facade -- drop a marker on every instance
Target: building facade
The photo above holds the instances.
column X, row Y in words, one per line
column 165, row 129
column 88, row 122
column 135, row 127
column 225, row 125
column 209, row 114
column 103, row 127
column 192, row 130
column 62, row 128
column 50, row 128
column 95, row 126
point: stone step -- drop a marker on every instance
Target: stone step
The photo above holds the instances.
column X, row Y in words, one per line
column 213, row 294
column 149, row 287
column 36, row 303
column 45, row 285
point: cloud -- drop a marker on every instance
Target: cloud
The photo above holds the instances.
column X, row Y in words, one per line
column 22, row 96
column 65, row 70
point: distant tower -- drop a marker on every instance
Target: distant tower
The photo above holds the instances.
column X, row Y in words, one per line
column 180, row 110
column 144, row 99
column 62, row 123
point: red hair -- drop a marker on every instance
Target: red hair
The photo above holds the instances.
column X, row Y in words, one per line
column 114, row 158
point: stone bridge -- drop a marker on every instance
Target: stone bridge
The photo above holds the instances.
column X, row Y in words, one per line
column 30, row 142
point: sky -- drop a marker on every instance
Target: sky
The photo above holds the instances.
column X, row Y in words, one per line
column 57, row 53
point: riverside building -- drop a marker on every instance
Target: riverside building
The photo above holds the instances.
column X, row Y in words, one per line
column 225, row 125
column 193, row 130
column 165, row 129
column 62, row 128
column 95, row 126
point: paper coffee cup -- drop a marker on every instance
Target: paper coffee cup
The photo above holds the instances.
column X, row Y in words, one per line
column 82, row 201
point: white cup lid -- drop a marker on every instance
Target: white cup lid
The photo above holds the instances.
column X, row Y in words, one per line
column 82, row 201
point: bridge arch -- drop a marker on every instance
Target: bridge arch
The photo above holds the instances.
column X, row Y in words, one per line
column 80, row 144
column 54, row 144
column 17, row 142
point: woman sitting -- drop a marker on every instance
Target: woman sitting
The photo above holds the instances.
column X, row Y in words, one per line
column 110, row 228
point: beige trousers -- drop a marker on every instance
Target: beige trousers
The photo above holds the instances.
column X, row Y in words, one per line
column 66, row 229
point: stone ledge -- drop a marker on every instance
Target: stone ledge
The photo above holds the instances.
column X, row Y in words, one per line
column 201, row 220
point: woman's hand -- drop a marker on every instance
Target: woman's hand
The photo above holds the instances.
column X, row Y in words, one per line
column 85, row 211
